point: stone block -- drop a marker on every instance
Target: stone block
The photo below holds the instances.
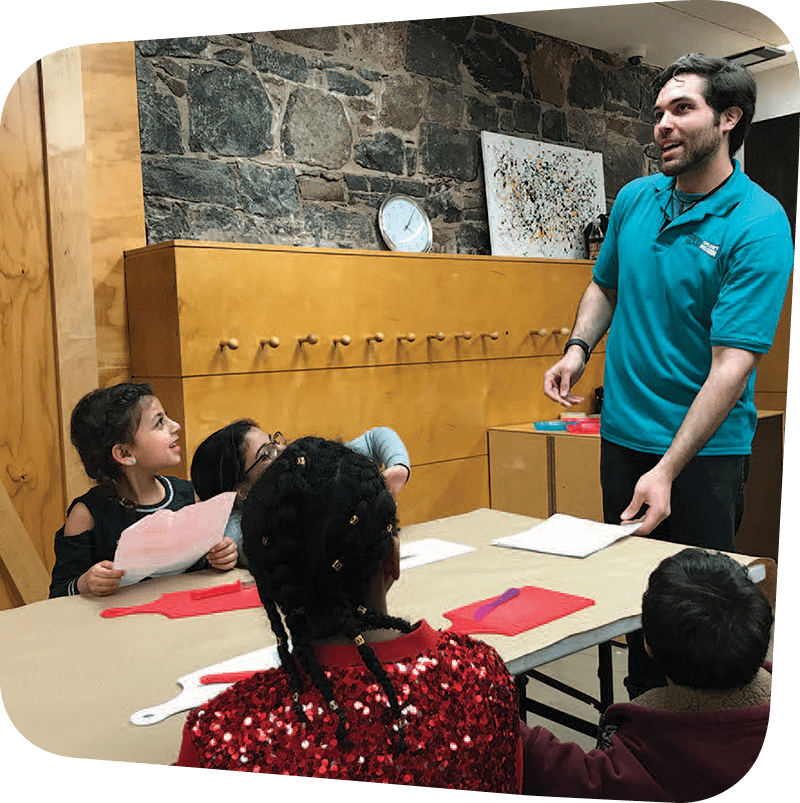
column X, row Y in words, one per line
column 325, row 39
column 401, row 102
column 315, row 129
column 586, row 85
column 276, row 62
column 429, row 53
column 266, row 190
column 348, row 84
column 445, row 105
column 384, row 152
column 313, row 188
column 240, row 127
column 492, row 64
column 188, row 178
column 554, row 125
column 448, row 151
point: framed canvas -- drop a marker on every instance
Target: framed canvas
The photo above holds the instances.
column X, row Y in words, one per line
column 540, row 197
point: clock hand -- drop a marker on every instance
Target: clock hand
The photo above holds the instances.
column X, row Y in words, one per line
column 409, row 222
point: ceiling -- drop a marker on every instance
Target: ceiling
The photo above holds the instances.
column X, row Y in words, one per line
column 662, row 31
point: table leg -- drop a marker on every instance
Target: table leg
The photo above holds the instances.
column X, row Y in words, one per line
column 605, row 673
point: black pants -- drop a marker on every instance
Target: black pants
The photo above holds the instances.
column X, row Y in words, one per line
column 707, row 504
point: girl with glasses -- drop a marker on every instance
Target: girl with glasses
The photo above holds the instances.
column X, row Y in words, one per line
column 232, row 459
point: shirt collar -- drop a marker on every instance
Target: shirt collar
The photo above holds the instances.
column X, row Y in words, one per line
column 718, row 203
column 405, row 647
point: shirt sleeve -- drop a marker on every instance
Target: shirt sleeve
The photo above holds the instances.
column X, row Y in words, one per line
column 750, row 300
column 74, row 555
column 383, row 445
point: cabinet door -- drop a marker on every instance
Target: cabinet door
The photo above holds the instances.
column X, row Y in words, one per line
column 576, row 467
column 518, row 473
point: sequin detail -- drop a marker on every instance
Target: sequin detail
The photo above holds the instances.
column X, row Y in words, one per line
column 459, row 709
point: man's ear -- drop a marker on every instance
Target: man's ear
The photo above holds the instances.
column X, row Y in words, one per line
column 730, row 117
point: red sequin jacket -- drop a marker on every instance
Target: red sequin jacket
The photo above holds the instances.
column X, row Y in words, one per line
column 459, row 702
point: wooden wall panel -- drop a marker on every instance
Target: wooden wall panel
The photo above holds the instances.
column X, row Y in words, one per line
column 436, row 490
column 30, row 446
column 111, row 114
column 272, row 291
column 70, row 250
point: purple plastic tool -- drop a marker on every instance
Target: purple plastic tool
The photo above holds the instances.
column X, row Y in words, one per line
column 490, row 606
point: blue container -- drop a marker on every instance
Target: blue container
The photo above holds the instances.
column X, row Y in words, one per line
column 550, row 426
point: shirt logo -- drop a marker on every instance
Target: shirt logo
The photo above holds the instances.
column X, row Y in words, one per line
column 703, row 245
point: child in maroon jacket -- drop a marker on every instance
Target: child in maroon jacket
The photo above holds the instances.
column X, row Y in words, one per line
column 708, row 626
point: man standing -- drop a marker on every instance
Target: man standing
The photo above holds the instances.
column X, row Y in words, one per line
column 689, row 283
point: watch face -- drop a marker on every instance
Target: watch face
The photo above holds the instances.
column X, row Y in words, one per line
column 404, row 225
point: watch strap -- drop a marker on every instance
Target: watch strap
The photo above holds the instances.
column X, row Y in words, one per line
column 576, row 341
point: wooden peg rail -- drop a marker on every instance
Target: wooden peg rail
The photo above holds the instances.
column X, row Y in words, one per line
column 344, row 340
column 229, row 343
column 310, row 339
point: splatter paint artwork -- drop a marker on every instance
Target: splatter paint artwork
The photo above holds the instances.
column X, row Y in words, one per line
column 540, row 196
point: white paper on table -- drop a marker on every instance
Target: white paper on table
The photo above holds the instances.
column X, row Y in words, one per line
column 170, row 541
column 429, row 550
column 568, row 535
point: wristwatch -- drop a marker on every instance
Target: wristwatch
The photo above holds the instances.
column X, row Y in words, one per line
column 576, row 341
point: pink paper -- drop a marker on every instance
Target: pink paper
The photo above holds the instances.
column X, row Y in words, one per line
column 170, row 541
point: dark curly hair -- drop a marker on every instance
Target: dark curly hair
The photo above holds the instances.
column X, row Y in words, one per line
column 317, row 525
column 726, row 84
column 707, row 623
column 218, row 462
column 100, row 420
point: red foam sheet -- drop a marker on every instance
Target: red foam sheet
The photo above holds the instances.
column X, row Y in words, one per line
column 530, row 608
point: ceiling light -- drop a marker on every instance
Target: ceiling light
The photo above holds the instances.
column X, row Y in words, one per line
column 755, row 56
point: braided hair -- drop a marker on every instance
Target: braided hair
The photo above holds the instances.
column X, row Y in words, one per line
column 218, row 462
column 102, row 419
column 317, row 526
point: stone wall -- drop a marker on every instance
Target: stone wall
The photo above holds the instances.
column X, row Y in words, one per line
column 295, row 137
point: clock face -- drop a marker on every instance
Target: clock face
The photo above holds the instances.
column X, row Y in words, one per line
column 404, row 225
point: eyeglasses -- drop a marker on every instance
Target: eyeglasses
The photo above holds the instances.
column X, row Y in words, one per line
column 269, row 451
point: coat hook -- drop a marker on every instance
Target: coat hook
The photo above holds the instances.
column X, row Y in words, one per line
column 540, row 332
column 466, row 335
column 490, row 335
column 377, row 337
column 272, row 342
column 437, row 336
column 410, row 337
column 310, row 339
column 344, row 340
column 229, row 343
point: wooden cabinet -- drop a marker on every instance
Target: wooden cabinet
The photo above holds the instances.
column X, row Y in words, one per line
column 222, row 332
column 541, row 473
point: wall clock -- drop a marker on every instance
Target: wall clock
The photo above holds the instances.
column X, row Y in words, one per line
column 404, row 225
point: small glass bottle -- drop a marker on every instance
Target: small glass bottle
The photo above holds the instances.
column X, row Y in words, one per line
column 593, row 237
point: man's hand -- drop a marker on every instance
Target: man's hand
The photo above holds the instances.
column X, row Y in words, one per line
column 224, row 555
column 101, row 579
column 395, row 478
column 563, row 375
column 654, row 490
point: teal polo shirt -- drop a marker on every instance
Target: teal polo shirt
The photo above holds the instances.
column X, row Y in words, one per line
column 715, row 276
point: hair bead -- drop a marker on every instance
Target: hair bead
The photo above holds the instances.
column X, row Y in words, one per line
column 361, row 609
column 358, row 640
column 354, row 519
column 337, row 565
column 333, row 705
column 301, row 461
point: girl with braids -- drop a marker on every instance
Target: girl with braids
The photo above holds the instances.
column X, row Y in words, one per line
column 232, row 458
column 124, row 439
column 361, row 695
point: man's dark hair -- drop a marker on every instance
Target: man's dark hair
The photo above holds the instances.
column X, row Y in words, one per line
column 726, row 84
column 706, row 622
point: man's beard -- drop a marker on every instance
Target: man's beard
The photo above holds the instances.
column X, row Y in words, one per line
column 695, row 155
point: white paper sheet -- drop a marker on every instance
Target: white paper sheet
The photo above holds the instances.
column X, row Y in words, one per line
column 429, row 550
column 170, row 541
column 567, row 535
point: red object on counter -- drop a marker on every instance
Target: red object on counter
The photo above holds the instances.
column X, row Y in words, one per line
column 199, row 602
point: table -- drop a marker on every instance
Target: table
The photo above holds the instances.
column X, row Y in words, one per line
column 70, row 679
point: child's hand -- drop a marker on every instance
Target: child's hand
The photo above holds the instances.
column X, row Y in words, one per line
column 395, row 478
column 101, row 580
column 224, row 555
